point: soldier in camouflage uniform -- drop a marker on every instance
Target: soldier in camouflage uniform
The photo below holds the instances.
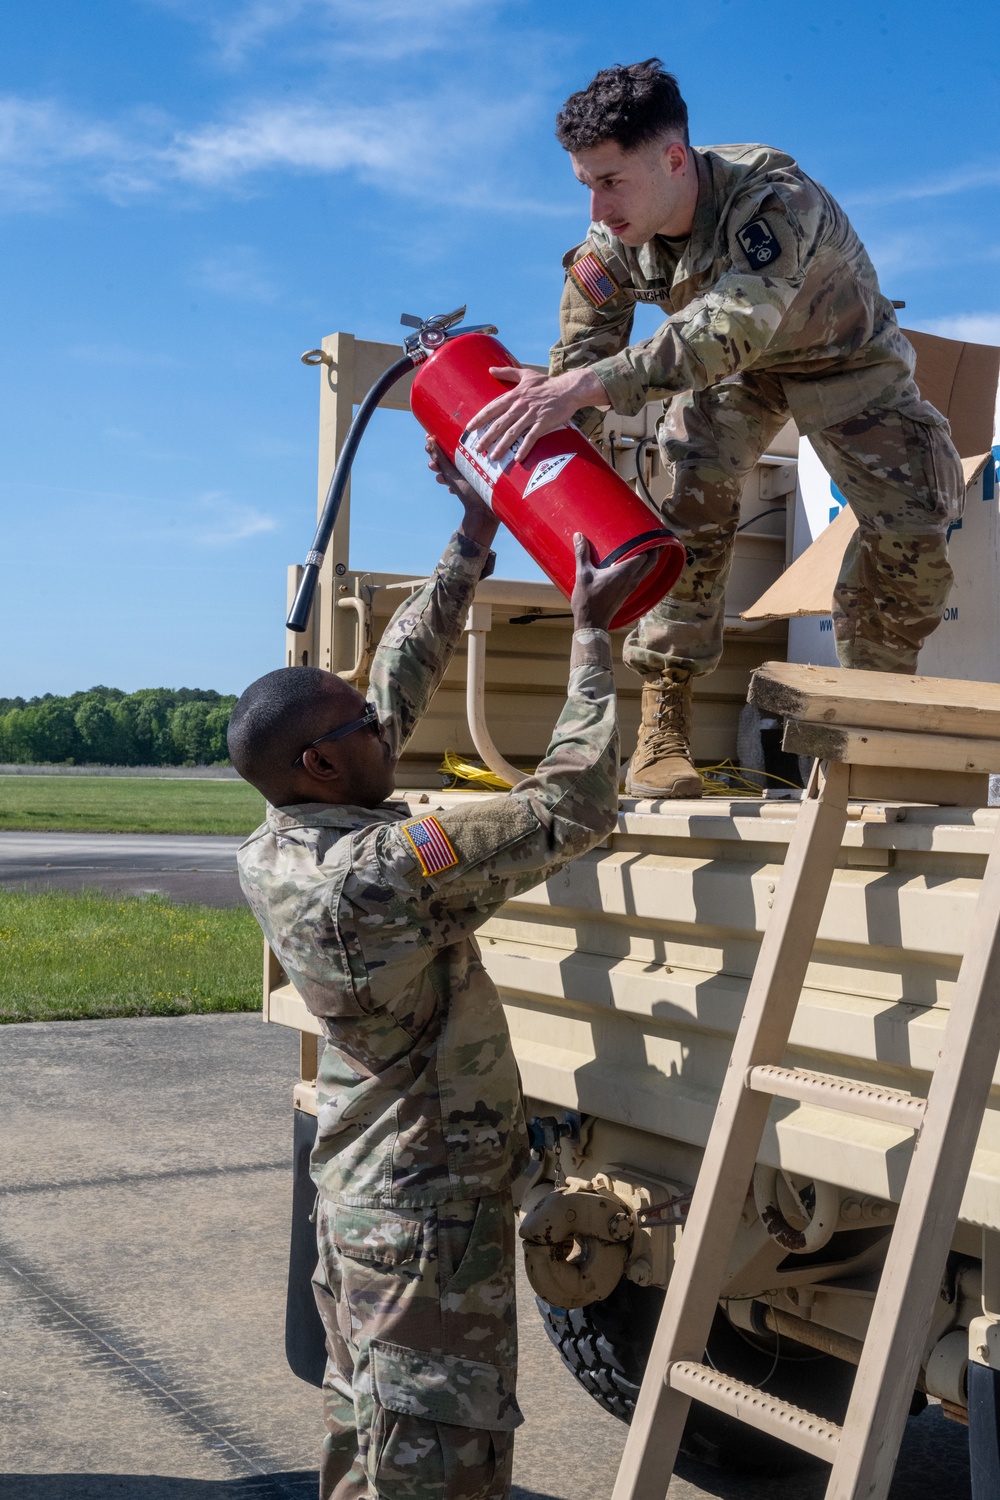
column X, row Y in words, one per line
column 773, row 311
column 372, row 912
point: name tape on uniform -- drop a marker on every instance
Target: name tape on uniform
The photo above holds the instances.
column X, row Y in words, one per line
column 431, row 845
column 594, row 279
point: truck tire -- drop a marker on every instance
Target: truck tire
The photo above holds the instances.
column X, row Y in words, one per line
column 606, row 1345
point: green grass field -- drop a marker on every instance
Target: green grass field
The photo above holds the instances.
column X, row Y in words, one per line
column 127, row 804
column 84, row 955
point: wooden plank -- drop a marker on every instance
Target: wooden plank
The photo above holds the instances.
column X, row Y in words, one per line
column 727, row 1166
column 933, row 788
column 878, row 700
column 886, row 747
column 911, row 1278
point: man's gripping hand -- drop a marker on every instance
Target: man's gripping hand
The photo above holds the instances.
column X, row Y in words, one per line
column 480, row 524
column 537, row 404
column 599, row 593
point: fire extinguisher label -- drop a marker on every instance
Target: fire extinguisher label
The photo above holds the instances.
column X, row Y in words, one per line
column 546, row 471
column 478, row 468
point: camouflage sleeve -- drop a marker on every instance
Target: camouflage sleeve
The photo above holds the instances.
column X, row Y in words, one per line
column 429, row 881
column 731, row 326
column 588, row 333
column 420, row 640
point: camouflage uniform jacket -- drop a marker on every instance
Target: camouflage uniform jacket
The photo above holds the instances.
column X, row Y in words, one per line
column 772, row 277
column 418, row 1093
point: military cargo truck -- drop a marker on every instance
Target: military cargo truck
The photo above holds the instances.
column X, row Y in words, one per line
column 624, row 978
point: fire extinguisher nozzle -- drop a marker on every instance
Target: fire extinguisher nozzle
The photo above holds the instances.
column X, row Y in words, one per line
column 298, row 615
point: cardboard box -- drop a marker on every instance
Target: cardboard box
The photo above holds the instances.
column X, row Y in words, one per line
column 960, row 379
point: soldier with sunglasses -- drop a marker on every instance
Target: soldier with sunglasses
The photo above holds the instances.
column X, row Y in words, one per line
column 372, row 913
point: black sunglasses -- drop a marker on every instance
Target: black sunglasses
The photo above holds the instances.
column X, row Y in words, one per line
column 369, row 720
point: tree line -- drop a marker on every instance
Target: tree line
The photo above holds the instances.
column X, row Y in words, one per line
column 104, row 726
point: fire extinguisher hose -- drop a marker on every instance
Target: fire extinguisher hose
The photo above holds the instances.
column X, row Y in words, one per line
column 298, row 617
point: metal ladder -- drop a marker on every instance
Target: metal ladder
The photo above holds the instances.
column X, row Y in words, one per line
column 863, row 1451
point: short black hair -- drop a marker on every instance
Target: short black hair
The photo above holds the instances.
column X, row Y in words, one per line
column 629, row 105
column 275, row 718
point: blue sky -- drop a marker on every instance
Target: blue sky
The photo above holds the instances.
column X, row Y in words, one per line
column 195, row 191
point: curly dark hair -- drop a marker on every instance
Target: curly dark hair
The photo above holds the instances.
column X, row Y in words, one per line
column 630, row 105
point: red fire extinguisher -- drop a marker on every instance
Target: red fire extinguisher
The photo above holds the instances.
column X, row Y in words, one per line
column 562, row 487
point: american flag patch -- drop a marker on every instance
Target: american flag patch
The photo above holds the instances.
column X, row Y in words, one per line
column 430, row 843
column 598, row 285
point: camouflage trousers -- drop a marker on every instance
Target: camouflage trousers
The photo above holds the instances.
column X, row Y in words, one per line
column 900, row 476
column 418, row 1306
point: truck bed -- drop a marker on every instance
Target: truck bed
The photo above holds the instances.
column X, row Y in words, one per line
column 624, row 976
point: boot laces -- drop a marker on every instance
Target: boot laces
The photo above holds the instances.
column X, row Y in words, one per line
column 667, row 731
column 668, row 734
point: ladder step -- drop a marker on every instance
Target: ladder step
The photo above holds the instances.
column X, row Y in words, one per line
column 756, row 1408
column 891, row 1106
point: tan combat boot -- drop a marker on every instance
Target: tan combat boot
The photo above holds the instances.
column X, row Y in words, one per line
column 662, row 764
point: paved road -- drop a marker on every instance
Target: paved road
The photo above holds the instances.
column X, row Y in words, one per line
column 182, row 866
column 144, row 1199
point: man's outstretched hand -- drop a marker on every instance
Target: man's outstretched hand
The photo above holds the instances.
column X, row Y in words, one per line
column 537, row 404
column 480, row 524
column 599, row 593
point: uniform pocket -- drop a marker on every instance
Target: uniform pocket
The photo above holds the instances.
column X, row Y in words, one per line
column 378, row 1236
column 444, row 1388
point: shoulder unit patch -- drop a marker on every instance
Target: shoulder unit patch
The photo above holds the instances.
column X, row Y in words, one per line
column 431, row 845
column 594, row 279
column 759, row 242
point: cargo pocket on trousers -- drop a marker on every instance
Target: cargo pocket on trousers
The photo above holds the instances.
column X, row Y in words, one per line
column 379, row 1255
column 444, row 1388
column 454, row 1416
column 376, row 1235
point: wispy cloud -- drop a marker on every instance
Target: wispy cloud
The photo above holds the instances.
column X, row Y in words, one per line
column 121, row 354
column 963, row 179
column 213, row 519
column 221, row 521
column 307, row 138
column 957, row 243
column 40, row 140
column 385, row 29
column 973, row 328
column 236, row 272
column 452, row 144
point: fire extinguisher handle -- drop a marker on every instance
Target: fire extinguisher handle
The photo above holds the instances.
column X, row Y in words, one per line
column 298, row 616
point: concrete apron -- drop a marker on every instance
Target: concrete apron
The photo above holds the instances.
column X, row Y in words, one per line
column 145, row 1182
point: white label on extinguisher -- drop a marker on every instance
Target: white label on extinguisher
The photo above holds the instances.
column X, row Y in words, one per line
column 546, row 471
column 478, row 468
